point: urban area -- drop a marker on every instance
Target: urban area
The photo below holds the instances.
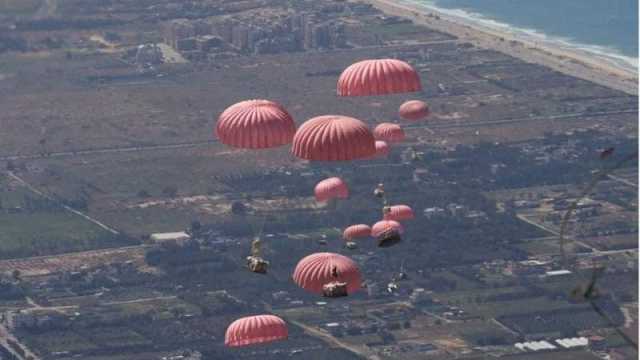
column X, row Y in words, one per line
column 125, row 224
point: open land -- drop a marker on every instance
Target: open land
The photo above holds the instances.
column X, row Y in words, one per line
column 107, row 139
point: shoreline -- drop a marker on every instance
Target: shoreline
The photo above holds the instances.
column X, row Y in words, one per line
column 571, row 62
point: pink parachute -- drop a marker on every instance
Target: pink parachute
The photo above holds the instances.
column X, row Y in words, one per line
column 255, row 330
column 356, row 231
column 333, row 138
column 384, row 226
column 319, row 269
column 382, row 148
column 378, row 77
column 255, row 124
column 399, row 213
column 414, row 110
column 389, row 132
column 331, row 188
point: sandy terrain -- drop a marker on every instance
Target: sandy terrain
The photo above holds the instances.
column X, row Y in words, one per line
column 574, row 63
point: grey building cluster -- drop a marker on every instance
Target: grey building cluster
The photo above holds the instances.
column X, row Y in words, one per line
column 267, row 34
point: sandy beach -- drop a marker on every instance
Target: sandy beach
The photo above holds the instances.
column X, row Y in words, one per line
column 568, row 61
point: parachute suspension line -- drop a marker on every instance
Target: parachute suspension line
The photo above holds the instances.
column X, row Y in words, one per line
column 601, row 175
column 590, row 293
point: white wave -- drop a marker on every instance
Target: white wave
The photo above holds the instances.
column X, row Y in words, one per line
column 611, row 55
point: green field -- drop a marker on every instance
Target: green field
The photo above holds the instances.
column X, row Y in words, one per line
column 33, row 226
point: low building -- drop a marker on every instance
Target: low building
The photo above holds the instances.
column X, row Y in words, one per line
column 177, row 237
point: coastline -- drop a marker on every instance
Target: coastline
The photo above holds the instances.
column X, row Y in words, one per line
column 573, row 62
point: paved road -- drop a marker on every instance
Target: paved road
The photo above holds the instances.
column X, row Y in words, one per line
column 6, row 335
column 429, row 128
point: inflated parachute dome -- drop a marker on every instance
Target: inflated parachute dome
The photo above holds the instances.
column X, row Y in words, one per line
column 255, row 124
column 356, row 231
column 333, row 138
column 378, row 77
column 257, row 329
column 382, row 148
column 383, row 226
column 413, row 110
column 389, row 132
column 399, row 213
column 331, row 188
column 316, row 270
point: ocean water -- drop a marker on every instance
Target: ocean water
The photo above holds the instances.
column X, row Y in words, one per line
column 605, row 28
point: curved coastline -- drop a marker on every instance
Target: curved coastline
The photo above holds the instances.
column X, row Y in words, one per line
column 588, row 62
column 611, row 55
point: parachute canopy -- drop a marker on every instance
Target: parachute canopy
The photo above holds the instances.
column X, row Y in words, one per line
column 255, row 330
column 389, row 132
column 382, row 148
column 331, row 188
column 255, row 124
column 384, row 226
column 378, row 77
column 414, row 110
column 356, row 231
column 399, row 213
column 316, row 270
column 333, row 138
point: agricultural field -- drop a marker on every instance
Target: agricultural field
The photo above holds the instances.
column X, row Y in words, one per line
column 33, row 225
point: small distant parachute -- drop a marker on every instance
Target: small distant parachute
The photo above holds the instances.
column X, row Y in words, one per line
column 331, row 188
column 387, row 232
column 382, row 226
column 382, row 149
column 255, row 124
column 378, row 77
column 356, row 231
column 257, row 329
column 317, row 270
column 333, row 138
column 398, row 213
column 414, row 110
column 389, row 132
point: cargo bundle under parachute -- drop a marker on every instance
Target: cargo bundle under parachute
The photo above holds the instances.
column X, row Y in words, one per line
column 257, row 264
column 335, row 289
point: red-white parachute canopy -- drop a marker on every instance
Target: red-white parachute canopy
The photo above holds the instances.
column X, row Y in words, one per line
column 389, row 132
column 255, row 124
column 331, row 188
column 384, row 226
column 255, row 330
column 414, row 110
column 378, row 77
column 356, row 231
column 399, row 213
column 316, row 270
column 333, row 138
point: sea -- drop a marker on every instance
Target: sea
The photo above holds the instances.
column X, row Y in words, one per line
column 607, row 29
